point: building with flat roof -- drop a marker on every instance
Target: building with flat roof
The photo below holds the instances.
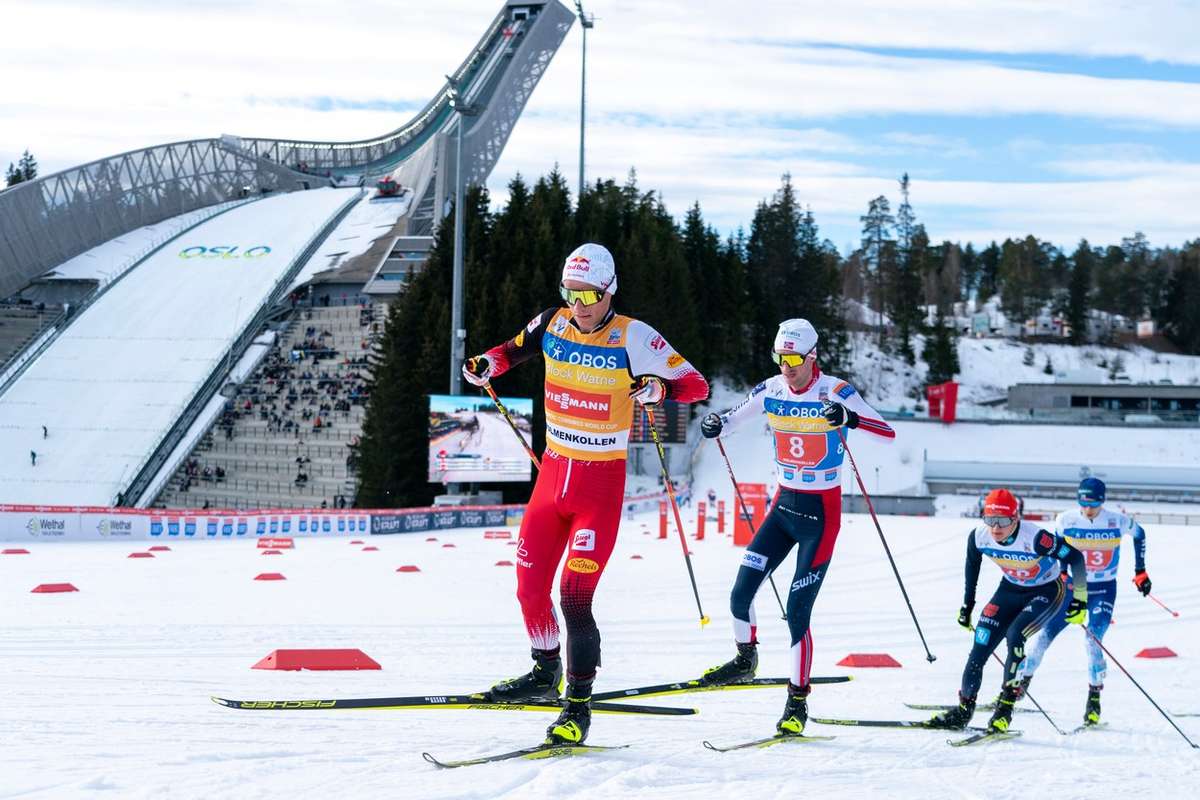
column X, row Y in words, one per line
column 1107, row 401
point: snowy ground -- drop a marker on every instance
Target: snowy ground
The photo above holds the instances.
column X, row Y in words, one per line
column 107, row 690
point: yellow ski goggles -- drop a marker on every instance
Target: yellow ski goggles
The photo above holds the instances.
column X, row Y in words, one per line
column 589, row 297
column 788, row 359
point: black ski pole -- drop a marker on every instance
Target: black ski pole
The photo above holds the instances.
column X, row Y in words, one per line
column 930, row 657
column 1166, row 716
column 662, row 461
column 508, row 418
column 750, row 522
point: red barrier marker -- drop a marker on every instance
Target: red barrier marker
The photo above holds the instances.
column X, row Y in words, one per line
column 662, row 519
column 431, row 539
column 635, row 557
column 868, row 660
column 700, row 521
column 140, row 554
column 14, row 551
column 277, row 543
column 159, row 548
column 356, row 541
column 720, row 516
column 1157, row 652
column 269, row 576
column 272, row 552
column 449, row 544
column 409, row 568
column 370, row 549
column 52, row 588
column 504, row 563
column 319, row 659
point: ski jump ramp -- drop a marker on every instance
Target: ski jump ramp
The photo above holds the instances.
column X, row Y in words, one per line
column 56, row 217
column 118, row 378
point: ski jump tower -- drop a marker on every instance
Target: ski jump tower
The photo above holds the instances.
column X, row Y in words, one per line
column 52, row 219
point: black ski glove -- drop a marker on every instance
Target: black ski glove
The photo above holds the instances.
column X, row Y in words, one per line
column 964, row 615
column 837, row 415
column 711, row 426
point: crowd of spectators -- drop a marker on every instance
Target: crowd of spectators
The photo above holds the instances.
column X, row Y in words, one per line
column 304, row 389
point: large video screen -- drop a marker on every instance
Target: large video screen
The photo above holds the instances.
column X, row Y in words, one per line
column 470, row 441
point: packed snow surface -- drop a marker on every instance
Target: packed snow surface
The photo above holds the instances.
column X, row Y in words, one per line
column 107, row 690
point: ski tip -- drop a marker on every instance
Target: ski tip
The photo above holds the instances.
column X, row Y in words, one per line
column 709, row 745
column 221, row 701
column 429, row 757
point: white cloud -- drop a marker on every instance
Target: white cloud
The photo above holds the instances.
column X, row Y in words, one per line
column 707, row 100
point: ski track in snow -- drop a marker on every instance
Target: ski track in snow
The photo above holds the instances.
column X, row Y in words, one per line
column 108, row 689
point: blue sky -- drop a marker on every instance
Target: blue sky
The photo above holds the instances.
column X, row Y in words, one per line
column 1066, row 120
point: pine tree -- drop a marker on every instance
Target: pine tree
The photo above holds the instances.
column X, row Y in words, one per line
column 878, row 253
column 941, row 352
column 970, row 266
column 1027, row 359
column 1079, row 291
column 1049, row 367
column 12, row 176
column 1181, row 323
column 28, row 166
column 989, row 273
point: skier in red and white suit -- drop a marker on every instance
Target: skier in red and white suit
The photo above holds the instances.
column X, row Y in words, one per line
column 598, row 364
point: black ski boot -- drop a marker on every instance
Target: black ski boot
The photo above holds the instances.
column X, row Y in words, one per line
column 1091, row 713
column 1002, row 716
column 795, row 713
column 543, row 682
column 741, row 668
column 957, row 718
column 573, row 722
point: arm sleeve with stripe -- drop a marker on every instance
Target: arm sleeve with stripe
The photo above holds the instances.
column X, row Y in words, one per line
column 650, row 354
column 522, row 347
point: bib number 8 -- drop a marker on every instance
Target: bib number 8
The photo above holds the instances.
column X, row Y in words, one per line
column 795, row 446
column 799, row 450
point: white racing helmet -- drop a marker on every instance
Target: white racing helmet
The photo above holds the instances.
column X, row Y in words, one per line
column 795, row 336
column 591, row 264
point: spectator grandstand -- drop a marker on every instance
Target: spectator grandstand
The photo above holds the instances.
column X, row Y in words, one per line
column 289, row 437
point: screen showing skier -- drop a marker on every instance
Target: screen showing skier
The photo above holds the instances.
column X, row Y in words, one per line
column 471, row 442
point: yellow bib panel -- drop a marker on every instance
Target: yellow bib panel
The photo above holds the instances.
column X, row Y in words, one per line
column 588, row 408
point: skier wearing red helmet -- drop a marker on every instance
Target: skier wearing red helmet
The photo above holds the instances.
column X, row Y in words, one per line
column 1030, row 593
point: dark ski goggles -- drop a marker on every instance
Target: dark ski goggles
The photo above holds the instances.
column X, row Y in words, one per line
column 589, row 297
column 788, row 359
column 998, row 522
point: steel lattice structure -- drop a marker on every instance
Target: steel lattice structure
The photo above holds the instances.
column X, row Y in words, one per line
column 52, row 219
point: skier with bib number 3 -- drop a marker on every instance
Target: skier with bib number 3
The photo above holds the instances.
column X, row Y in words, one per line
column 598, row 365
column 1096, row 532
column 805, row 410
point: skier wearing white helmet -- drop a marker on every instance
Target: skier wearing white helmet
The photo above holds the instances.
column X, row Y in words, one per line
column 804, row 409
column 599, row 364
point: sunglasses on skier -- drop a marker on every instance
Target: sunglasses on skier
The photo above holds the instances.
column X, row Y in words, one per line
column 589, row 297
column 788, row 359
column 998, row 522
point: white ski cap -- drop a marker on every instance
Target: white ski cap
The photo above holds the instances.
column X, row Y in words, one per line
column 795, row 336
column 592, row 264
